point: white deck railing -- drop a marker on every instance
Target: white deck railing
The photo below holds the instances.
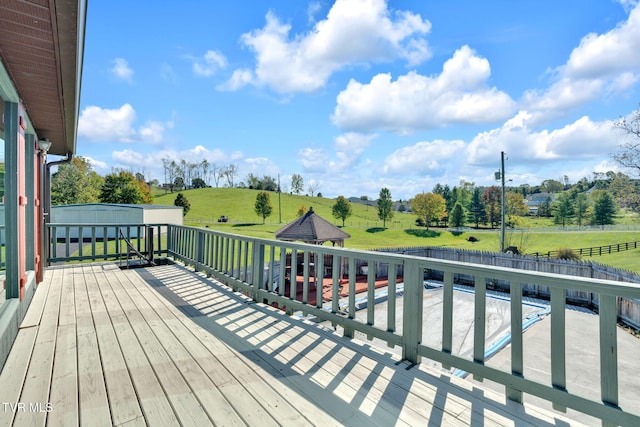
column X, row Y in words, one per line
column 255, row 266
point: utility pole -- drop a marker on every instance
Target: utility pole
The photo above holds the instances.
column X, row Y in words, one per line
column 279, row 202
column 502, row 225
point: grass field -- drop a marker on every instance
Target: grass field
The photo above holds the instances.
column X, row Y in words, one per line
column 367, row 232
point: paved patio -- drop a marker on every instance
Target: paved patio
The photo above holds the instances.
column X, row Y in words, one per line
column 166, row 346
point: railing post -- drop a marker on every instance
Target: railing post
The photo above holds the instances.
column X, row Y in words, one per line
column 412, row 312
column 257, row 270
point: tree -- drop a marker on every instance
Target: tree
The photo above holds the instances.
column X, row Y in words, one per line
column 478, row 213
column 301, row 211
column 628, row 154
column 253, row 182
column 580, row 208
column 551, row 186
column 297, row 183
column 456, row 219
column 385, row 206
column 198, row 183
column 313, row 187
column 75, row 182
column 429, row 206
column 205, row 170
column 562, row 209
column 604, row 208
column 123, row 187
column 545, row 207
column 514, row 206
column 263, row 206
column 341, row 209
column 491, row 198
column 230, row 172
column 183, row 202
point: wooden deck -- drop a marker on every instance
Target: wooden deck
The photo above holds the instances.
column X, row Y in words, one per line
column 165, row 346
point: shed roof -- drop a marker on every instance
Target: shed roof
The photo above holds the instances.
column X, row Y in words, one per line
column 311, row 228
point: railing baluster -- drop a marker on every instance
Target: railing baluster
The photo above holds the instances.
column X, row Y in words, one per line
column 517, row 366
column 558, row 336
column 480, row 305
column 348, row 331
column 283, row 270
column 392, row 277
column 93, row 243
column 371, row 292
column 272, row 266
column 305, row 277
column 447, row 314
column 608, row 350
column 412, row 310
column 294, row 275
column 80, row 240
column 66, row 242
column 335, row 283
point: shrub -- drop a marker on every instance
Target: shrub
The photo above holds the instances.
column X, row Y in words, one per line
column 566, row 253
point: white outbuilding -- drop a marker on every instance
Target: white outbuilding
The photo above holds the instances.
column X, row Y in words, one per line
column 113, row 214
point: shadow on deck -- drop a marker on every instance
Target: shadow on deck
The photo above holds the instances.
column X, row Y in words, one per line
column 165, row 345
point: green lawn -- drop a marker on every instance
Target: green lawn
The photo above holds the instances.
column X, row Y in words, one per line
column 367, row 233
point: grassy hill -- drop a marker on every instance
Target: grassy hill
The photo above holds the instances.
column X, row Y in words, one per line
column 366, row 231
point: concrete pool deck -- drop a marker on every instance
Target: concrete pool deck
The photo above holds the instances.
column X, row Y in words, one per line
column 583, row 365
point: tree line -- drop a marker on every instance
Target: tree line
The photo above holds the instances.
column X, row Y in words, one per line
column 77, row 182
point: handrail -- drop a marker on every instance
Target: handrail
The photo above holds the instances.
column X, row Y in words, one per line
column 281, row 273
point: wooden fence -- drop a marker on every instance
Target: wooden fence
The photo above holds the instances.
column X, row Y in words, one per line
column 628, row 309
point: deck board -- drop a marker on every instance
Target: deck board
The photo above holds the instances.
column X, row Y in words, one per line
column 153, row 401
column 12, row 380
column 35, row 390
column 221, row 394
column 123, row 402
column 64, row 384
column 166, row 346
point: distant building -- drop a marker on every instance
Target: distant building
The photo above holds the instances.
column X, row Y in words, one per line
column 534, row 201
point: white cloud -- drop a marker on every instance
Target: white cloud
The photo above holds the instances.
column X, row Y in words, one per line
column 424, row 157
column 117, row 125
column 601, row 64
column 210, row 64
column 132, row 159
column 580, row 140
column 607, row 54
column 152, row 132
column 460, row 94
column 259, row 166
column 121, row 70
column 97, row 165
column 350, row 147
column 102, row 124
column 152, row 161
column 239, row 79
column 355, row 31
column 313, row 160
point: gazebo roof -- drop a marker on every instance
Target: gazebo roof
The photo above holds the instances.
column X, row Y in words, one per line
column 311, row 228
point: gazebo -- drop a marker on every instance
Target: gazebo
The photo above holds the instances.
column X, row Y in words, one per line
column 312, row 228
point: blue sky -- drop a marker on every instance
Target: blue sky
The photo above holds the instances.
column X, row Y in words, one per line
column 356, row 95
